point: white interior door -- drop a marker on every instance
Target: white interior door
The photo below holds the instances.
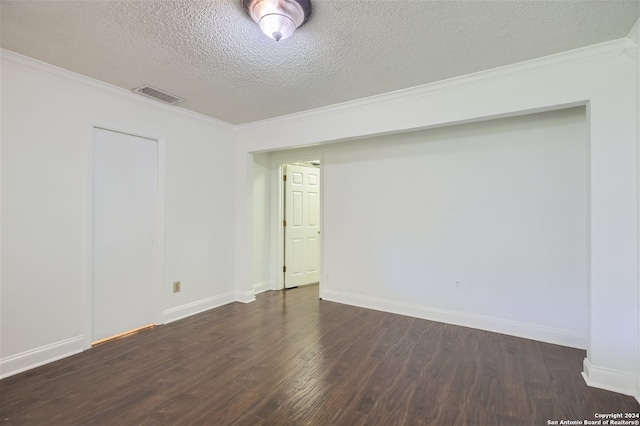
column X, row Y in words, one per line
column 124, row 225
column 302, row 230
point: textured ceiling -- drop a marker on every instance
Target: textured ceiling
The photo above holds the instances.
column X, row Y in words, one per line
column 212, row 54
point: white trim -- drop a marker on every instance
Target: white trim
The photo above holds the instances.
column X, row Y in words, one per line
column 588, row 53
column 158, row 254
column 611, row 380
column 263, row 286
column 245, row 296
column 277, row 231
column 17, row 60
column 188, row 309
column 497, row 325
column 33, row 358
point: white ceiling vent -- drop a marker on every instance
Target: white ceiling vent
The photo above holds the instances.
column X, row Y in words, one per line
column 157, row 94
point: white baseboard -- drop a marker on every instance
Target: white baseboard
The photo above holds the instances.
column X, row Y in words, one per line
column 263, row 286
column 27, row 360
column 611, row 380
column 183, row 311
column 498, row 325
column 245, row 296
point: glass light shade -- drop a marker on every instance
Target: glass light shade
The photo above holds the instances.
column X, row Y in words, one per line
column 278, row 19
column 277, row 26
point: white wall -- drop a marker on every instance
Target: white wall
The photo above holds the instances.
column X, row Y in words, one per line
column 261, row 272
column 46, row 117
column 499, row 207
column 634, row 39
column 602, row 77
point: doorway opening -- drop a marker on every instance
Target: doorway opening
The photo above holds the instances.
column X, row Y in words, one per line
column 301, row 223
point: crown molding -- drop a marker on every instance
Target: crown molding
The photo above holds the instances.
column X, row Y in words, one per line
column 8, row 57
column 584, row 54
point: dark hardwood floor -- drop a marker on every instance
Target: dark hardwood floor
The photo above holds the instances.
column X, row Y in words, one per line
column 289, row 358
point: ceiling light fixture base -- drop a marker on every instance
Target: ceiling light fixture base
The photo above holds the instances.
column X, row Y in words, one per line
column 278, row 19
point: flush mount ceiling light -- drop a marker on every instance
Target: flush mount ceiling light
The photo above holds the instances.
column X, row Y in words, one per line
column 278, row 19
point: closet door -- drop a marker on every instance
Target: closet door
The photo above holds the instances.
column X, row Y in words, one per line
column 124, row 227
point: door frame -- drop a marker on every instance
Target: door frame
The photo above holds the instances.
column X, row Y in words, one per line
column 158, row 252
column 277, row 230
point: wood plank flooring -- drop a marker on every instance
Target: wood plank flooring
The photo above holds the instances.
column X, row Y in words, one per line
column 291, row 359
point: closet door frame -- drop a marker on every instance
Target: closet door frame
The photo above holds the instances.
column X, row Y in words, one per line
column 158, row 270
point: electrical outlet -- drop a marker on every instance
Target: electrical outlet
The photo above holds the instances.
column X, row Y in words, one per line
column 458, row 285
column 176, row 286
